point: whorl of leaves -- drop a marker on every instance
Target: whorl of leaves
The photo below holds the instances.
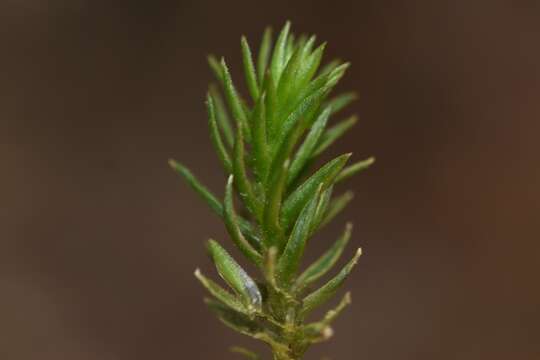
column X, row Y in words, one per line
column 268, row 145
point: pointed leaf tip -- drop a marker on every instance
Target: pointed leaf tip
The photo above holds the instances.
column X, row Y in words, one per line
column 324, row 293
column 234, row 100
column 264, row 54
column 354, row 169
column 219, row 293
column 278, row 57
column 299, row 197
column 215, row 135
column 325, row 262
column 249, row 69
column 199, row 188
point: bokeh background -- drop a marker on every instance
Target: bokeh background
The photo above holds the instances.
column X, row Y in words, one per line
column 99, row 238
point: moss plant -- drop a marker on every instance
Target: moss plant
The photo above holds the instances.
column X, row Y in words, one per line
column 268, row 146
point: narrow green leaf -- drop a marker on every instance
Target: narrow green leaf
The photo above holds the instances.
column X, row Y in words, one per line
column 292, row 76
column 219, row 293
column 324, row 263
column 216, row 136
column 311, row 64
column 302, row 39
column 213, row 201
column 309, row 87
column 222, row 116
column 321, row 331
column 241, row 179
column 328, row 79
column 275, row 190
column 322, row 208
column 215, row 67
column 339, row 102
column 307, row 47
column 338, row 73
column 304, row 111
column 355, row 168
column 271, row 280
column 245, row 352
column 233, row 228
column 264, row 54
column 290, row 47
column 235, row 103
column 297, row 200
column 334, row 133
column 200, row 189
column 235, row 276
column 336, row 206
column 308, row 146
column 271, row 106
column 276, row 186
column 246, row 325
column 288, row 78
column 326, row 69
column 249, row 233
column 278, row 57
column 332, row 314
column 323, row 294
column 289, row 261
column 234, row 319
column 260, row 146
column 312, row 94
column 249, row 70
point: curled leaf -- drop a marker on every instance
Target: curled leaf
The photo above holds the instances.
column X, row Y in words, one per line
column 234, row 275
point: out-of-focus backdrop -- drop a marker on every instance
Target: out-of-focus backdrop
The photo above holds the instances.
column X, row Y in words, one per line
column 99, row 238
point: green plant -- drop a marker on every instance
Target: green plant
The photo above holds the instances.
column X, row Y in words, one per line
column 268, row 153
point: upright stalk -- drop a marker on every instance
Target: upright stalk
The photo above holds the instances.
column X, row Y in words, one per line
column 268, row 153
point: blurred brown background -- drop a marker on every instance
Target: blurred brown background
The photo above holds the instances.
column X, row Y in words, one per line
column 99, row 239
